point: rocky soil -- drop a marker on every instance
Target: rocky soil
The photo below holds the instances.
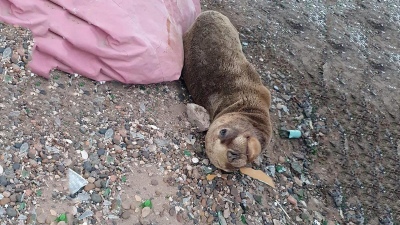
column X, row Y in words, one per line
column 333, row 70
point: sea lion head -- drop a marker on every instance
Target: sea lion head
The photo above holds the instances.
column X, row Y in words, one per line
column 232, row 142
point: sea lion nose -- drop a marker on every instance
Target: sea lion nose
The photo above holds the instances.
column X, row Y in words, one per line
column 233, row 155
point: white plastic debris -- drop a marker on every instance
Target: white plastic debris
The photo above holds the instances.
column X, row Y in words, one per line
column 75, row 181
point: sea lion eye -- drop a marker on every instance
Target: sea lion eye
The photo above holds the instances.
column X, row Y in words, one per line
column 222, row 132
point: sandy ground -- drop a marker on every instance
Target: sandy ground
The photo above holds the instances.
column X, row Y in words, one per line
column 333, row 70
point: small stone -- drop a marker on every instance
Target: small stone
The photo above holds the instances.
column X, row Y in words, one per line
column 87, row 166
column 13, row 198
column 90, row 187
column 126, row 205
column 154, row 182
column 286, row 97
column 11, row 212
column 145, row 212
column 16, row 166
column 135, row 154
column 41, row 219
column 195, row 160
column 84, row 154
column 91, row 179
column 292, row 200
column 24, row 147
column 171, row 211
column 82, row 130
column 109, row 133
column 298, row 181
column 198, row 116
column 318, row 216
column 53, row 212
column 97, row 183
column 102, row 131
column 227, row 213
column 277, row 222
column 7, row 52
column 6, row 194
column 113, row 178
column 50, row 219
column 15, row 58
column 62, row 223
column 96, row 198
column 101, row 151
column 126, row 214
column 138, row 198
column 117, row 139
column 196, row 174
column 5, row 201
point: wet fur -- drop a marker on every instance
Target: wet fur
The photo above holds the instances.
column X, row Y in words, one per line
column 219, row 78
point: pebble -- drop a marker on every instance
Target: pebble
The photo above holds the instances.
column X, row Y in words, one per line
column 277, row 222
column 198, row 116
column 53, row 212
column 1, row 170
column 292, row 200
column 126, row 205
column 82, row 130
column 145, row 212
column 227, row 213
column 90, row 187
column 298, row 181
column 41, row 219
column 126, row 214
column 87, row 166
column 13, row 198
column 50, row 219
column 109, row 133
column 85, row 155
column 7, row 52
column 101, row 151
column 138, row 198
column 97, row 183
column 15, row 58
column 102, row 131
column 91, row 179
column 24, row 147
column 6, row 194
column 5, row 201
column 154, row 182
column 195, row 160
column 3, row 181
column 11, row 212
column 61, row 223
column 16, row 166
column 96, row 198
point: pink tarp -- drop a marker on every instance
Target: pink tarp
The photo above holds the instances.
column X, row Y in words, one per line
column 131, row 41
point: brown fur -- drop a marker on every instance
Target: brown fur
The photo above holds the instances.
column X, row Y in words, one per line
column 219, row 78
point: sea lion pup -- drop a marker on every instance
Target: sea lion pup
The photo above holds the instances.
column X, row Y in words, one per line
column 219, row 78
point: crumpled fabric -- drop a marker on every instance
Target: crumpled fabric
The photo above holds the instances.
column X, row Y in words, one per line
column 131, row 41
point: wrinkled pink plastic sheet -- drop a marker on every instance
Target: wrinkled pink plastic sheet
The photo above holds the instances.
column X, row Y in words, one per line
column 131, row 41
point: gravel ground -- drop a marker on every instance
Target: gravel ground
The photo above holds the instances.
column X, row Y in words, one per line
column 333, row 72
